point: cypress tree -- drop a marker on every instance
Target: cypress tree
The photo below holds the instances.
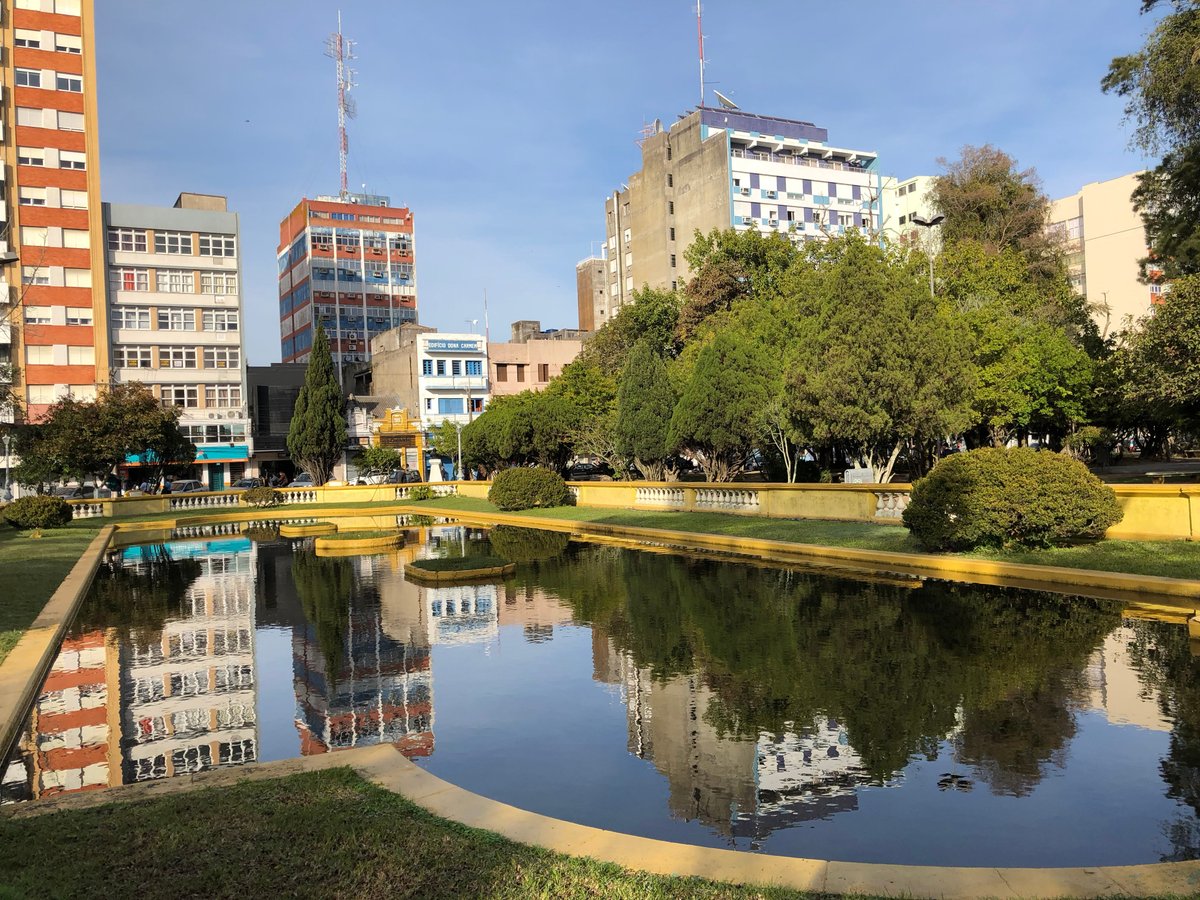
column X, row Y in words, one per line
column 317, row 436
column 645, row 403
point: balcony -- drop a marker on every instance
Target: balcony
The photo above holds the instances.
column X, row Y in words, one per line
column 474, row 383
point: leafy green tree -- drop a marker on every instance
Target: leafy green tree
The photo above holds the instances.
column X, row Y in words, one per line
column 885, row 365
column 652, row 316
column 1163, row 356
column 718, row 413
column 317, row 435
column 645, row 403
column 1160, row 85
column 380, row 460
column 986, row 198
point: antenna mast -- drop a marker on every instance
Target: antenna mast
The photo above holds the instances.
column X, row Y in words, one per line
column 700, row 41
column 341, row 50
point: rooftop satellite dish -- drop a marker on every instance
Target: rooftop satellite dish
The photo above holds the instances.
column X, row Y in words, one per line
column 725, row 101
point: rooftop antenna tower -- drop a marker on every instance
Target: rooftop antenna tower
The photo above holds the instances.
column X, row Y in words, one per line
column 700, row 41
column 341, row 50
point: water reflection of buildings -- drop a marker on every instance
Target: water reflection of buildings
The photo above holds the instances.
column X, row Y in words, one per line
column 737, row 786
column 127, row 704
column 1117, row 686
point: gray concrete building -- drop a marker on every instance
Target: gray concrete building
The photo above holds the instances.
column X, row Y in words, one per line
column 724, row 168
column 175, row 321
column 591, row 288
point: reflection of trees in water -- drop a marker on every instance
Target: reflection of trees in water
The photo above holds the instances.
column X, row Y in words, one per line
column 1163, row 657
column 138, row 600
column 526, row 544
column 895, row 664
column 324, row 585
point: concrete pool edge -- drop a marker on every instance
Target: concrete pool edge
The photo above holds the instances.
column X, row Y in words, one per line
column 25, row 667
column 385, row 766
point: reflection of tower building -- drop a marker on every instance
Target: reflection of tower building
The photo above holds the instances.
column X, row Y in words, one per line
column 190, row 692
column 67, row 748
column 1116, row 686
column 371, row 689
column 537, row 612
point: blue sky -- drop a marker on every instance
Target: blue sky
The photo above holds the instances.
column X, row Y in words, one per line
column 504, row 125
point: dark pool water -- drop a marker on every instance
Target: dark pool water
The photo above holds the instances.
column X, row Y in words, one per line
column 718, row 703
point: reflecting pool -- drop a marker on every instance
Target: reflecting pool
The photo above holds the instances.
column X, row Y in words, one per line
column 688, row 698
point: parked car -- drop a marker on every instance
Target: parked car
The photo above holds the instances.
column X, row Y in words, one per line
column 185, row 486
column 302, row 480
column 404, row 476
column 80, row 492
column 246, row 484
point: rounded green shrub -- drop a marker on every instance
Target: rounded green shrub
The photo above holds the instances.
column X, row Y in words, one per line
column 1001, row 497
column 262, row 496
column 38, row 512
column 528, row 488
column 420, row 492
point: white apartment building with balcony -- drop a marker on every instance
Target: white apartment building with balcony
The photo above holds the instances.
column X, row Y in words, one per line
column 453, row 383
column 175, row 321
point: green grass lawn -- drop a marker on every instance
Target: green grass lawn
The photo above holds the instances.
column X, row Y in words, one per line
column 31, row 569
column 362, row 535
column 457, row 563
column 322, row 834
column 1175, row 559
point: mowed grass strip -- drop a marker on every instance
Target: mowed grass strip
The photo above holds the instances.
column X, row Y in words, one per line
column 31, row 569
column 320, row 834
column 1173, row 559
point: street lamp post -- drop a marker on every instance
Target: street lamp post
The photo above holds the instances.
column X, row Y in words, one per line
column 928, row 224
column 7, row 442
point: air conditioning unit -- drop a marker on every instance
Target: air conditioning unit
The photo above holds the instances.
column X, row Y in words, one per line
column 771, row 195
column 773, row 222
column 212, row 415
column 745, row 192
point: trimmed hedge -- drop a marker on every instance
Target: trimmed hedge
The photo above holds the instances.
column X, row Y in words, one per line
column 38, row 512
column 1001, row 497
column 528, row 488
column 420, row 492
column 262, row 496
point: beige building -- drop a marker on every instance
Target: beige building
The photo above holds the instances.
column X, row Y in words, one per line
column 394, row 369
column 530, row 359
column 1106, row 239
column 590, row 286
column 724, row 168
column 902, row 202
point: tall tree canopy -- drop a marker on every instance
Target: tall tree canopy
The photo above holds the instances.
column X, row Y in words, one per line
column 1160, row 85
column 645, row 404
column 317, row 436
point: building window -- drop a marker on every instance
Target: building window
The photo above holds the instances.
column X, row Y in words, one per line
column 177, row 357
column 456, row 367
column 176, row 281
column 217, row 245
column 429, row 404
column 670, row 207
column 501, row 372
column 220, row 320
column 23, row 37
column 427, row 367
column 123, row 279
column 68, row 43
column 34, row 275
column 672, row 234
column 73, row 199
column 31, row 117
column 31, row 156
column 41, row 393
column 175, row 242
column 78, row 316
column 474, row 367
column 67, row 7
column 28, row 78
column 39, row 356
column 77, row 278
column 180, row 395
column 220, row 283
column 34, row 235
column 81, row 356
column 222, row 357
column 129, row 239
column 670, row 180
column 32, row 196
column 70, row 159
column 476, row 404
column 76, row 238
column 450, row 406
column 521, row 371
column 223, row 395
column 135, row 317
column 543, row 372
column 441, row 367
column 69, row 121
column 177, row 320
column 672, row 260
column 133, row 357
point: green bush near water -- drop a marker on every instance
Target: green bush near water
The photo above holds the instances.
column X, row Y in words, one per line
column 38, row 512
column 528, row 488
column 262, row 496
column 1002, row 497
